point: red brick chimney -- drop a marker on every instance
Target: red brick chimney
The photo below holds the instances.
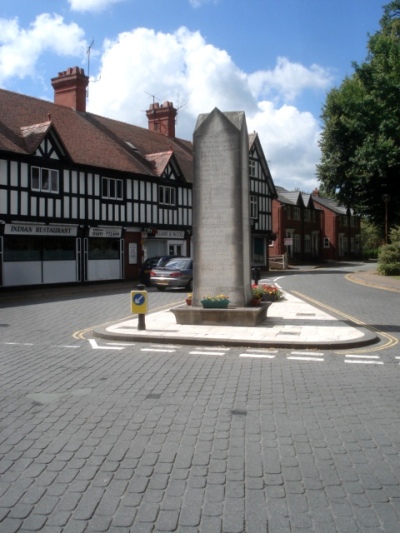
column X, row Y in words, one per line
column 161, row 118
column 70, row 88
column 315, row 192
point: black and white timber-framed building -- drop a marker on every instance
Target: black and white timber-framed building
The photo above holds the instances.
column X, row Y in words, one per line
column 85, row 198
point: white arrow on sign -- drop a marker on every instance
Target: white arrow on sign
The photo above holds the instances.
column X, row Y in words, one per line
column 95, row 346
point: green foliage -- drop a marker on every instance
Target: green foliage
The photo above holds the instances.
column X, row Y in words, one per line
column 371, row 239
column 389, row 255
column 360, row 141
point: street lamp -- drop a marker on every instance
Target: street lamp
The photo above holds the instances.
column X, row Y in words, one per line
column 386, row 198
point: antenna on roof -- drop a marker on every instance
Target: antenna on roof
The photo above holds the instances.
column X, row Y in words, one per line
column 178, row 108
column 153, row 96
column 88, row 63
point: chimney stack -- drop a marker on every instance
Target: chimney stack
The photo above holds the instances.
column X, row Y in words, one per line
column 161, row 118
column 70, row 88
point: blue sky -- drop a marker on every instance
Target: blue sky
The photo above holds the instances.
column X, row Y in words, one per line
column 273, row 59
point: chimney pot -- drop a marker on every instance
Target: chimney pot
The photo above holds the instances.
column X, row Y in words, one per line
column 70, row 88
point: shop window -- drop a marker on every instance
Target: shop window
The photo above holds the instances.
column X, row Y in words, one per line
column 167, row 195
column 103, row 248
column 45, row 180
column 112, row 188
column 25, row 248
column 253, row 207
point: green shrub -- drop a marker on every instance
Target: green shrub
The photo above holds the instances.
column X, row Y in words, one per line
column 370, row 253
column 389, row 259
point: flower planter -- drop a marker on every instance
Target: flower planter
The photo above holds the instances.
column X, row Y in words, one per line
column 255, row 302
column 214, row 304
column 269, row 298
column 188, row 301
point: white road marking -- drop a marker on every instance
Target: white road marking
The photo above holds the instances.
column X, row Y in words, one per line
column 206, row 353
column 95, row 346
column 257, row 355
column 308, row 354
column 157, row 350
column 299, row 358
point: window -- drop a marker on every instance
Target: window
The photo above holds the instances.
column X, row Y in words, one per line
column 111, row 188
column 307, row 243
column 253, row 207
column 296, row 243
column 252, row 168
column 326, row 242
column 307, row 215
column 167, row 195
column 296, row 213
column 45, row 180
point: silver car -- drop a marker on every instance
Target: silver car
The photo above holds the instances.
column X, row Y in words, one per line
column 177, row 272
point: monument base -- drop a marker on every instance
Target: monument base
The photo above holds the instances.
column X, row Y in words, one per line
column 236, row 316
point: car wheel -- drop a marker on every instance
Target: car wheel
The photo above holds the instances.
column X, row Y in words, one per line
column 159, row 288
column 189, row 286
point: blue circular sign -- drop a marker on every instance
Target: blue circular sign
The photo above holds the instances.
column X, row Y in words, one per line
column 138, row 299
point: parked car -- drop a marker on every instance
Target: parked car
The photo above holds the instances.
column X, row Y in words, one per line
column 178, row 272
column 151, row 262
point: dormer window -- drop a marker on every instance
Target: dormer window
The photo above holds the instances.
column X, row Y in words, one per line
column 45, row 180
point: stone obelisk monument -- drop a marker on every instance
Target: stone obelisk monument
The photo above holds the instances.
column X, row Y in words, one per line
column 221, row 218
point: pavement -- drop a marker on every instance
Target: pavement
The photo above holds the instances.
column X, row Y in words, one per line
column 290, row 323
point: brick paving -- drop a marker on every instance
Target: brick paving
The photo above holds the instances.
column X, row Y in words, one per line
column 130, row 441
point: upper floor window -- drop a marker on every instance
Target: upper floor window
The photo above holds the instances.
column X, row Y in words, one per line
column 167, row 195
column 253, row 206
column 45, row 180
column 111, row 188
column 252, row 168
column 307, row 215
column 296, row 213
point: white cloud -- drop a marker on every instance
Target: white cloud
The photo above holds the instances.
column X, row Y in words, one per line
column 92, row 5
column 21, row 48
column 290, row 143
column 287, row 80
column 196, row 76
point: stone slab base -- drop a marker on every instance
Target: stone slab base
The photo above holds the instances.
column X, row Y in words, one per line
column 238, row 316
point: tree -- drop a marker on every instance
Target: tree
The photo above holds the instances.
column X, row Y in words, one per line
column 360, row 141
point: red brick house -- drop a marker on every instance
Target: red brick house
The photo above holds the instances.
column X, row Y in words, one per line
column 341, row 230
column 297, row 226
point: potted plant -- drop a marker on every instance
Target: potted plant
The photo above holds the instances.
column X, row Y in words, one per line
column 257, row 293
column 189, row 298
column 220, row 301
column 271, row 293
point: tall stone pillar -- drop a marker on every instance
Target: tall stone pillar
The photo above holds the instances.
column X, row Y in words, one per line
column 221, row 218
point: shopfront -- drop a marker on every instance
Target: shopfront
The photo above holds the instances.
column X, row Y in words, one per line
column 103, row 254
column 35, row 254
column 164, row 242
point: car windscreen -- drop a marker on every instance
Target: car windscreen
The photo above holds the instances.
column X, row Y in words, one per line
column 182, row 264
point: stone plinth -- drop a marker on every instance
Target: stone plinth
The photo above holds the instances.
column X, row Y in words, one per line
column 238, row 316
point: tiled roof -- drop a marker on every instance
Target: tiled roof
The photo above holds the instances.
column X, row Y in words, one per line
column 329, row 204
column 89, row 139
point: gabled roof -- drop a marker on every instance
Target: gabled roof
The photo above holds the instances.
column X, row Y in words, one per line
column 292, row 198
column 255, row 144
column 89, row 139
column 332, row 205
